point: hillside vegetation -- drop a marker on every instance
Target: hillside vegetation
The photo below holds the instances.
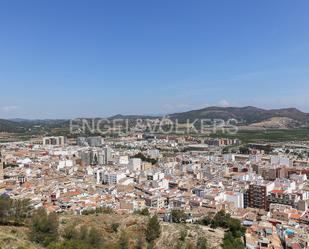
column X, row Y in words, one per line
column 115, row 229
column 246, row 115
column 278, row 118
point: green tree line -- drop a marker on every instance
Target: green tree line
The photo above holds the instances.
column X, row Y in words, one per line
column 234, row 229
column 14, row 212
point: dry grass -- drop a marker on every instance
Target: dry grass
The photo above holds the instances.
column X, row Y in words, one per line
column 133, row 225
column 15, row 238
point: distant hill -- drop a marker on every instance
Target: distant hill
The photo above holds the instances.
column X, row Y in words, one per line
column 10, row 126
column 24, row 125
column 247, row 115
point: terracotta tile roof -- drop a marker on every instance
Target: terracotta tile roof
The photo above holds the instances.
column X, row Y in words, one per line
column 295, row 216
column 277, row 191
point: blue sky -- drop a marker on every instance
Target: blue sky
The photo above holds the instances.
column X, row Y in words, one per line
column 64, row 59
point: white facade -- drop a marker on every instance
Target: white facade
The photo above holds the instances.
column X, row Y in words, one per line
column 229, row 157
column 123, row 160
column 135, row 164
column 155, row 176
column 106, row 177
column 235, row 197
column 279, row 161
column 64, row 164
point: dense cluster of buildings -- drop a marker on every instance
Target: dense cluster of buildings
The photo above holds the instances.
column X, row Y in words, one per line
column 268, row 193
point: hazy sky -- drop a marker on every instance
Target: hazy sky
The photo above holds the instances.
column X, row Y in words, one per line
column 62, row 59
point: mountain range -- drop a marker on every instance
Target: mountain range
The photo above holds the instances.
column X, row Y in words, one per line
column 249, row 115
column 246, row 115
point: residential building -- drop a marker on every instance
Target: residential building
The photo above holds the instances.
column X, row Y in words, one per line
column 59, row 141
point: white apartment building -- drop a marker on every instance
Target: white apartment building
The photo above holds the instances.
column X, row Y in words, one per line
column 64, row 164
column 280, row 161
column 109, row 177
column 155, row 176
column 235, row 197
column 134, row 164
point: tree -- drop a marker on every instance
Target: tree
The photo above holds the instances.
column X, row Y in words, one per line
column 44, row 227
column 178, row 216
column 189, row 245
column 115, row 227
column 236, row 228
column 145, row 159
column 183, row 234
column 153, row 229
column 83, row 232
column 14, row 212
column 230, row 242
column 206, row 220
column 20, row 210
column 70, row 232
column 144, row 211
column 221, row 219
column 140, row 243
column 268, row 149
column 79, row 239
column 5, row 206
column 201, row 243
column 94, row 237
column 123, row 241
column 244, row 149
column 71, row 244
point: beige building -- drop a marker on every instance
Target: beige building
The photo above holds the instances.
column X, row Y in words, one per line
column 59, row 141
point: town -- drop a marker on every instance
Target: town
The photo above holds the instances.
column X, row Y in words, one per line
column 266, row 189
column 159, row 124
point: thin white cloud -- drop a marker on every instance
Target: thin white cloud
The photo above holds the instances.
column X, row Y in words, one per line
column 224, row 103
column 9, row 108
